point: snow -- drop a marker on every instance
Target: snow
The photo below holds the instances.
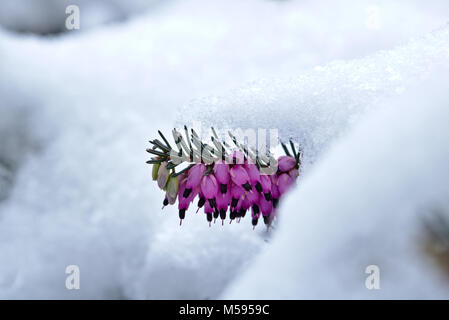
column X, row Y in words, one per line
column 316, row 107
column 363, row 204
column 78, row 109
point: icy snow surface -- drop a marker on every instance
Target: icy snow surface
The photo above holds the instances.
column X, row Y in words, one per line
column 363, row 204
column 77, row 111
column 316, row 107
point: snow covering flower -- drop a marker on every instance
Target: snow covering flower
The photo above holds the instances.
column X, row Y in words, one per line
column 236, row 184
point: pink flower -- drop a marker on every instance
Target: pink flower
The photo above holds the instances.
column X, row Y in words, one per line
column 244, row 206
column 208, row 210
column 236, row 157
column 237, row 193
column 265, row 182
column 223, row 200
column 266, row 207
column 221, row 172
column 184, row 203
column 254, row 175
column 286, row 163
column 275, row 194
column 294, row 173
column 252, row 197
column 284, row 183
column 209, row 188
column 240, row 177
column 236, row 183
column 255, row 213
column 194, row 178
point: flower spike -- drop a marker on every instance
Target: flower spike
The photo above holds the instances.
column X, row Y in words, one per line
column 223, row 177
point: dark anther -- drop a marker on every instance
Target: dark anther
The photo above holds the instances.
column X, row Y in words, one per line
column 256, row 209
column 165, row 203
column 212, row 203
column 182, row 213
column 223, row 188
column 258, row 187
column 233, row 215
column 223, row 214
column 216, row 214
column 267, row 196
column 254, row 222
column 234, row 202
column 275, row 203
column 201, row 202
column 186, row 193
column 209, row 217
column 247, row 186
column 266, row 219
column 242, row 213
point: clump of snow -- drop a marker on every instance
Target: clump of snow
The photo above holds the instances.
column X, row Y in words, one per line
column 82, row 193
column 362, row 204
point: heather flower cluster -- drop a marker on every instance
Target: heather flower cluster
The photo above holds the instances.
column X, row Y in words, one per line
column 227, row 181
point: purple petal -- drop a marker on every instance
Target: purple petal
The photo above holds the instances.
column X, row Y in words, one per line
column 286, row 163
column 195, row 175
column 253, row 173
column 239, row 175
column 284, row 183
column 221, row 172
column 209, row 186
column 265, row 181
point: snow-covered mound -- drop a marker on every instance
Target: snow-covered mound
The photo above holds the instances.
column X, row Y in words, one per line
column 316, row 107
column 362, row 204
column 81, row 107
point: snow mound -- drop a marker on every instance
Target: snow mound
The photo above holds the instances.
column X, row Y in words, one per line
column 363, row 204
column 318, row 106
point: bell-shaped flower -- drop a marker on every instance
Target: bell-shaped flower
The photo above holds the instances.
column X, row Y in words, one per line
column 162, row 175
column 240, row 177
column 266, row 207
column 275, row 194
column 254, row 175
column 284, row 183
column 209, row 188
column 294, row 173
column 286, row 163
column 208, row 210
column 255, row 213
column 236, row 158
column 223, row 200
column 194, row 178
column 221, row 173
column 236, row 194
column 265, row 181
column 244, row 204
